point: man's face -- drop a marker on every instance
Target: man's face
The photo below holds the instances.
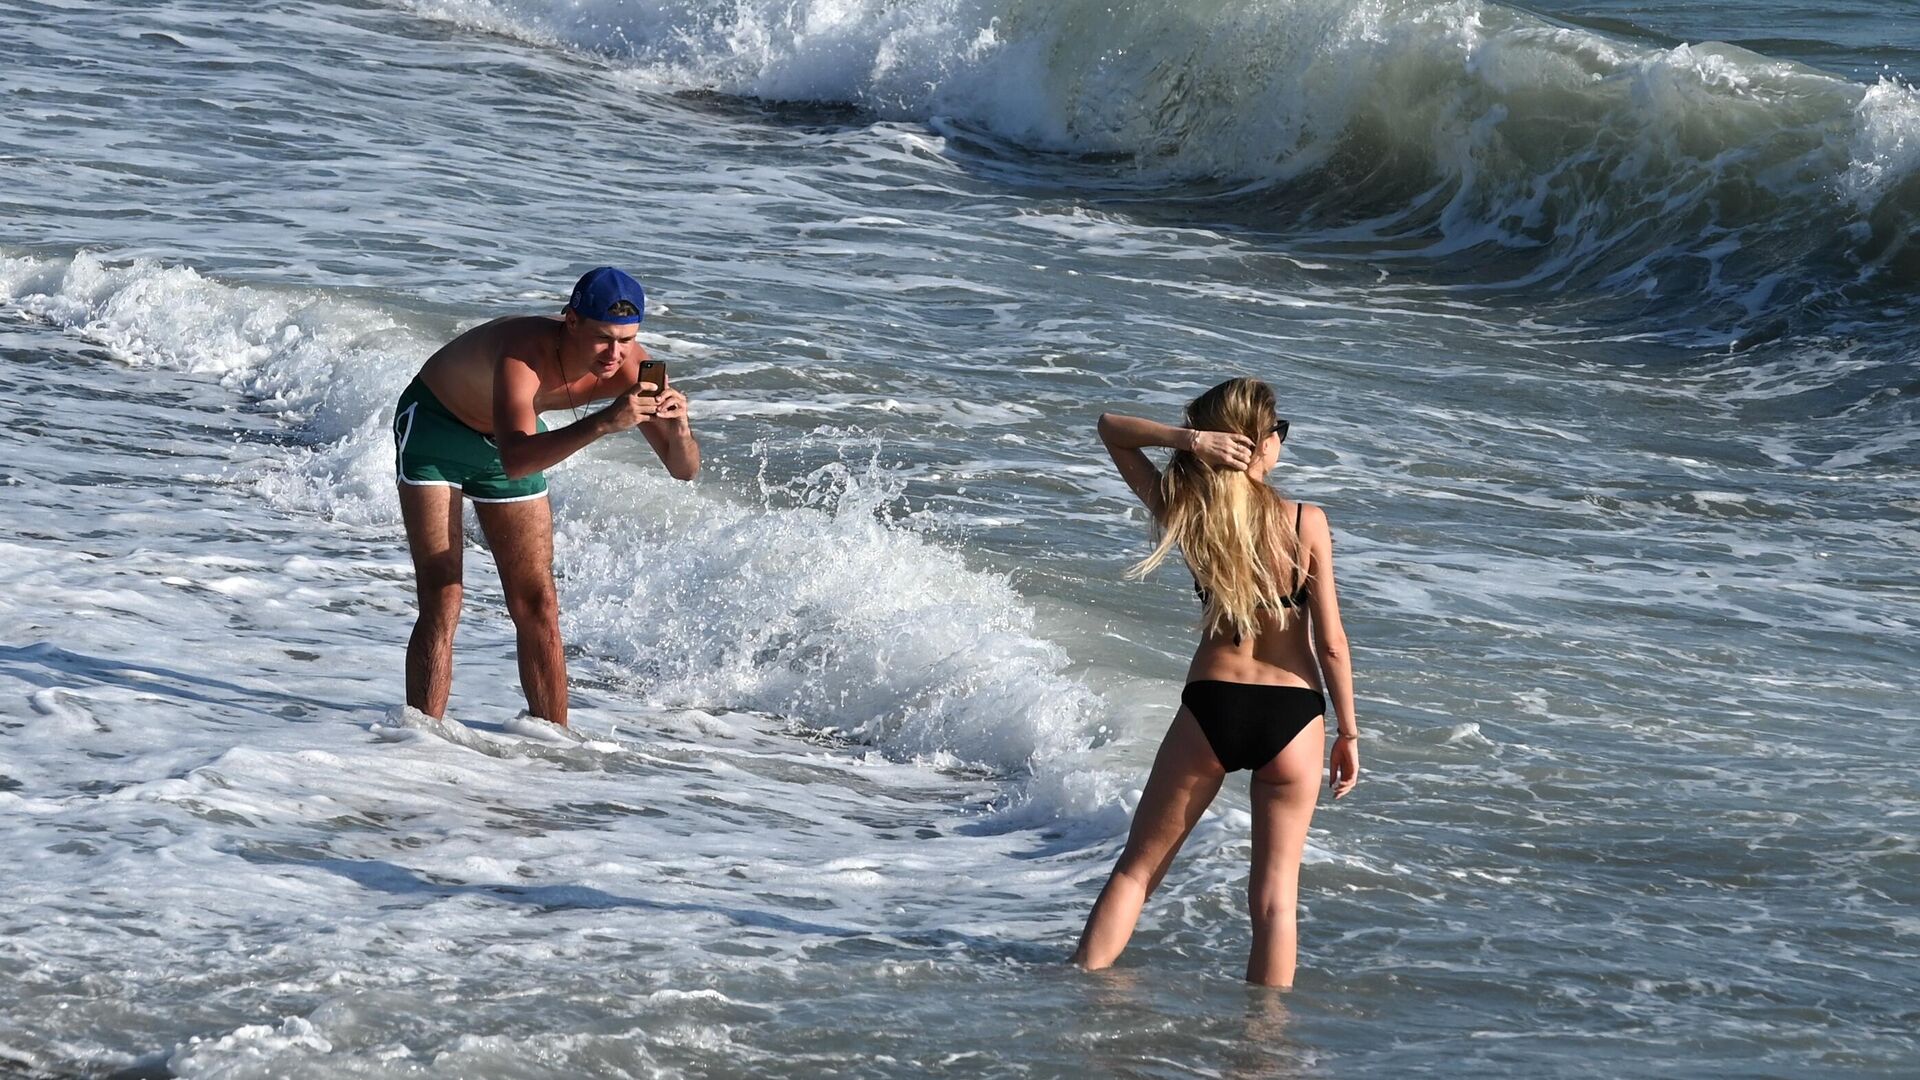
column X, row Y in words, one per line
column 603, row 346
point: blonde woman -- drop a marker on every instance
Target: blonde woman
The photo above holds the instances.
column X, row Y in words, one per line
column 1270, row 630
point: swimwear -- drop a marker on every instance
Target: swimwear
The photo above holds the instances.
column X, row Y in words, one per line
column 1248, row 724
column 432, row 447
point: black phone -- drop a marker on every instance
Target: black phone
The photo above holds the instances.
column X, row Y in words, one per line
column 655, row 372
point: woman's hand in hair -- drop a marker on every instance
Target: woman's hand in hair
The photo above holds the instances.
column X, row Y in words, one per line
column 1222, row 449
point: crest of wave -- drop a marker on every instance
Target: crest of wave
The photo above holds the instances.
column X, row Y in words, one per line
column 1527, row 152
column 1241, row 89
column 828, row 612
column 1886, row 151
column 328, row 367
column 825, row 611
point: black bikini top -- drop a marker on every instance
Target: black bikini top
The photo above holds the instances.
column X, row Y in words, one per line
column 1299, row 597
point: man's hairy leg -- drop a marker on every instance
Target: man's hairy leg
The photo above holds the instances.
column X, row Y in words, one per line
column 520, row 535
column 432, row 517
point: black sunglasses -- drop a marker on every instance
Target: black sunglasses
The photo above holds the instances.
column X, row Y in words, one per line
column 1280, row 428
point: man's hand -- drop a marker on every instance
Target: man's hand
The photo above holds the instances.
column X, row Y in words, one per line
column 636, row 407
column 670, row 435
column 671, row 407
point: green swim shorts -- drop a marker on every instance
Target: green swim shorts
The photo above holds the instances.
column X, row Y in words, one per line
column 433, row 448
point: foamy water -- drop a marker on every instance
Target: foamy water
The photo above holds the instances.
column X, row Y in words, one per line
column 1593, row 337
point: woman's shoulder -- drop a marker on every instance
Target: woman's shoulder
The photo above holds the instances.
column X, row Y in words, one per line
column 1312, row 518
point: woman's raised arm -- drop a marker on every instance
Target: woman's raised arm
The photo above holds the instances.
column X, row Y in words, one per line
column 1124, row 437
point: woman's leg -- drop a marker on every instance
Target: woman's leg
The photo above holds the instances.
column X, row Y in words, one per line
column 1284, row 793
column 1186, row 776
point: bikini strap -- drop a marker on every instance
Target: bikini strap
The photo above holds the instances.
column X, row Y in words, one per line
column 1301, row 550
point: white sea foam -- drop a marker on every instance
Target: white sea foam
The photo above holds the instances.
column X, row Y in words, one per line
column 828, row 613
column 1586, row 694
column 1465, row 130
column 211, row 769
column 1886, row 147
column 1231, row 88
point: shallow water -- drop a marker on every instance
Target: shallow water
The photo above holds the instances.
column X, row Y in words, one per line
column 1595, row 340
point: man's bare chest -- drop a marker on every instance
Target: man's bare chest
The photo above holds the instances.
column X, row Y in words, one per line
column 557, row 394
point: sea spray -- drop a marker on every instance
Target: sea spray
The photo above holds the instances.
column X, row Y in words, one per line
column 813, row 604
column 1515, row 152
column 827, row 614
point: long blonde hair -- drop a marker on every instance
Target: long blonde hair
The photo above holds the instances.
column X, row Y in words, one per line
column 1230, row 527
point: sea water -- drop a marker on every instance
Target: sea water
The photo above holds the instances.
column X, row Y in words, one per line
column 1594, row 324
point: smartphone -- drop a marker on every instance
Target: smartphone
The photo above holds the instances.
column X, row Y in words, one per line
column 655, row 372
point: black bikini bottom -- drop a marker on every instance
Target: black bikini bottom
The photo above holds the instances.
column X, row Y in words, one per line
column 1248, row 724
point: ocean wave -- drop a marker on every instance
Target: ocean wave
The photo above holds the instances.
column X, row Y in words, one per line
column 1245, row 89
column 1886, row 144
column 1520, row 152
column 830, row 614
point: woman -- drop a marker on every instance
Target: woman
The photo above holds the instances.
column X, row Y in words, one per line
column 1263, row 569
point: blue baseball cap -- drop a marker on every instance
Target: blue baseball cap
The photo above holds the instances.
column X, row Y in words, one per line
column 600, row 289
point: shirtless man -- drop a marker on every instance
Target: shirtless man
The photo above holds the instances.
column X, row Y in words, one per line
column 469, row 425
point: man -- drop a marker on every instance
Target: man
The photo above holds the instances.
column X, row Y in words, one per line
column 469, row 425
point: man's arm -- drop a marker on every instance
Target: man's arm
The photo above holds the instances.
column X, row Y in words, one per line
column 524, row 449
column 671, row 436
